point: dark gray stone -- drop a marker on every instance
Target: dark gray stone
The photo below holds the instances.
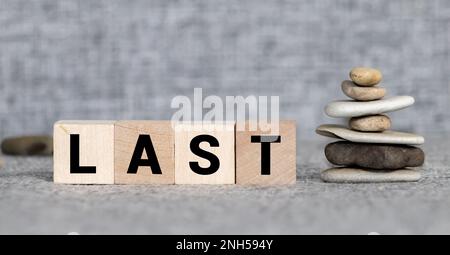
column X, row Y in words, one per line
column 374, row 156
column 28, row 145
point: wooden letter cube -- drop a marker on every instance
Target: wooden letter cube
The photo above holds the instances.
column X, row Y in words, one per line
column 204, row 153
column 144, row 152
column 83, row 152
column 254, row 164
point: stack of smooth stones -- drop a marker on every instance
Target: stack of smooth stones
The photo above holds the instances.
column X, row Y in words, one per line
column 369, row 151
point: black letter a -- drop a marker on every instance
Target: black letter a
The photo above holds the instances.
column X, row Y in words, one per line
column 75, row 167
column 144, row 143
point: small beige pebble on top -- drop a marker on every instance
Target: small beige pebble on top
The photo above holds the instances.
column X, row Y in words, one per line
column 374, row 123
column 353, row 91
column 366, row 77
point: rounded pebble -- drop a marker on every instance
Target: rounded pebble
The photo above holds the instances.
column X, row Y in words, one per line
column 28, row 145
column 373, row 123
column 353, row 91
column 388, row 136
column 374, row 156
column 356, row 175
column 365, row 76
column 347, row 108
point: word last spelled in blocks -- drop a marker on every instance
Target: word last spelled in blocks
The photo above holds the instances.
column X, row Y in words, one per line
column 162, row 152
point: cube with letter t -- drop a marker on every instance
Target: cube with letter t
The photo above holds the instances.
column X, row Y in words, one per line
column 83, row 152
column 264, row 157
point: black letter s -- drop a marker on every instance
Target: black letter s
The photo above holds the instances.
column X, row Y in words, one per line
column 213, row 159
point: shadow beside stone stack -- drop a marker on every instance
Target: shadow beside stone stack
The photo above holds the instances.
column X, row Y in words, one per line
column 370, row 152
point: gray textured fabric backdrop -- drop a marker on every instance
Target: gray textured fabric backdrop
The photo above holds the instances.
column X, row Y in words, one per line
column 122, row 59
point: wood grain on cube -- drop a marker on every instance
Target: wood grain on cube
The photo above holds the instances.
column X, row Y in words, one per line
column 158, row 167
column 282, row 155
column 95, row 142
column 224, row 151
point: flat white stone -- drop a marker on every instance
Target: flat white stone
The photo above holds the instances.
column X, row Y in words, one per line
column 348, row 108
column 388, row 136
column 356, row 175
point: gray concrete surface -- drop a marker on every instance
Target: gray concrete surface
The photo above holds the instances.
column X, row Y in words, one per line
column 30, row 203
